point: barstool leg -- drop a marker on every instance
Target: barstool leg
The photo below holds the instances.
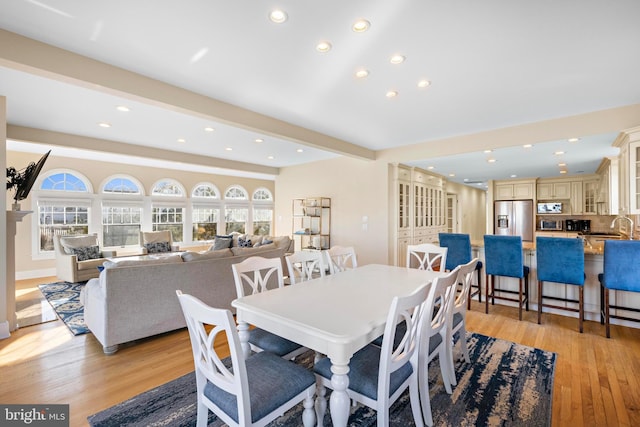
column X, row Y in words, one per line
column 479, row 285
column 486, row 295
column 539, row 300
column 581, row 308
column 526, row 292
column 606, row 312
column 520, row 300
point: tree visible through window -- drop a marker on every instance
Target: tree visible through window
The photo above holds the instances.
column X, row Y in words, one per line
column 168, row 218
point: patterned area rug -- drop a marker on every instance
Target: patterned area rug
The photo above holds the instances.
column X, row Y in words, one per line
column 64, row 297
column 505, row 384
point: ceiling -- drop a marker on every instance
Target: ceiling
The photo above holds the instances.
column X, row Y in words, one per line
column 490, row 64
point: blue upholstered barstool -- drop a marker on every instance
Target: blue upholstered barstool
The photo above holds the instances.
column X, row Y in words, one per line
column 561, row 260
column 503, row 257
column 621, row 273
column 459, row 253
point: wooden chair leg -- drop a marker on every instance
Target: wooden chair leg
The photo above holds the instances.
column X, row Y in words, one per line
column 539, row 300
column 601, row 304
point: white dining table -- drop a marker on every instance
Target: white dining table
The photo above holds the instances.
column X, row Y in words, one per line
column 335, row 315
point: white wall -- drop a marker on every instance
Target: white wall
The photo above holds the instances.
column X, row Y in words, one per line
column 3, row 217
column 357, row 189
column 471, row 209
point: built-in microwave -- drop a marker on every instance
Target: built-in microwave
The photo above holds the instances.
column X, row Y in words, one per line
column 550, row 224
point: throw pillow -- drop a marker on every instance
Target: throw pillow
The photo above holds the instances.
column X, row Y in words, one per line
column 157, row 247
column 86, row 252
column 244, row 243
column 266, row 242
column 221, row 242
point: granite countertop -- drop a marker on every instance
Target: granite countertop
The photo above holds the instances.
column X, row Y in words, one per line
column 596, row 248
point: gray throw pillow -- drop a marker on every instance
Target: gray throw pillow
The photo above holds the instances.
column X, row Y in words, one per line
column 222, row 242
column 86, row 252
column 157, row 247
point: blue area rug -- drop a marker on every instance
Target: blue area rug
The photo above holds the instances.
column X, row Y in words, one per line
column 505, row 384
column 64, row 297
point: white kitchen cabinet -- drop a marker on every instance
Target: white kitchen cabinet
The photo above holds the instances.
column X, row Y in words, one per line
column 590, row 196
column 576, row 200
column 550, row 190
column 608, row 202
column 514, row 190
column 629, row 171
column 419, row 209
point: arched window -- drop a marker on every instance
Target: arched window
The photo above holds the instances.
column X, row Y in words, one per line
column 205, row 214
column 64, row 181
column 262, row 195
column 205, row 190
column 167, row 215
column 262, row 212
column 63, row 202
column 121, row 211
column 235, row 192
column 121, row 185
column 168, row 187
column 236, row 212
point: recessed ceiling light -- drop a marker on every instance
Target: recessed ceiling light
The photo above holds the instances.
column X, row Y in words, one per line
column 559, row 153
column 323, row 47
column 209, row 129
column 123, row 108
column 573, row 139
column 431, row 167
column 300, row 150
column 104, row 125
column 229, row 149
column 397, row 59
column 278, row 16
column 487, row 151
column 361, row 25
column 424, row 83
column 562, row 164
column 259, row 140
column 362, row 73
column 182, row 140
column 514, row 175
column 563, row 171
column 392, row 94
column 527, row 145
column 270, row 157
column 466, row 180
column 491, row 160
column 452, row 175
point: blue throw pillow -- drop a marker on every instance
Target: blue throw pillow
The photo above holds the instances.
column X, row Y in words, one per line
column 86, row 252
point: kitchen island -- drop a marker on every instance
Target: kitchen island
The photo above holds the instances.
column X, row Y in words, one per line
column 593, row 265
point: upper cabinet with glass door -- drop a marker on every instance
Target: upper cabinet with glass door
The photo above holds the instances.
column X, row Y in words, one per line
column 629, row 170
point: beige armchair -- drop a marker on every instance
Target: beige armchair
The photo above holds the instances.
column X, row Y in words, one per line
column 160, row 241
column 78, row 257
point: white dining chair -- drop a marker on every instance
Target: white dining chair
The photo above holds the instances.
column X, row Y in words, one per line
column 254, row 275
column 434, row 335
column 304, row 265
column 341, row 258
column 251, row 392
column 459, row 314
column 427, row 256
column 378, row 376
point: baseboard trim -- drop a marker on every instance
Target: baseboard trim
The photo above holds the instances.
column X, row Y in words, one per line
column 34, row 274
column 4, row 330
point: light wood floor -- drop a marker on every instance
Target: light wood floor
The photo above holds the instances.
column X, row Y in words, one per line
column 596, row 381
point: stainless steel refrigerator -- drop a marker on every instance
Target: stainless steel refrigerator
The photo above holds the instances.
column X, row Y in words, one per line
column 514, row 218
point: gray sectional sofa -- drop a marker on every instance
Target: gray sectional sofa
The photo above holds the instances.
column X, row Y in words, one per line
column 135, row 298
